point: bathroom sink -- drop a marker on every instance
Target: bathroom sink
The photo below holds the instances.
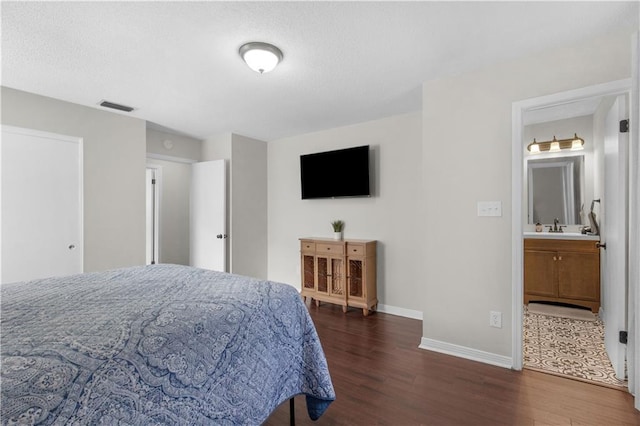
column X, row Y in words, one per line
column 561, row 235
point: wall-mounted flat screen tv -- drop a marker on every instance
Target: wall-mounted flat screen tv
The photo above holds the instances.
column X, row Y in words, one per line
column 331, row 174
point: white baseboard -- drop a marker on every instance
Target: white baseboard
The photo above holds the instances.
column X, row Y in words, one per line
column 467, row 353
column 401, row 312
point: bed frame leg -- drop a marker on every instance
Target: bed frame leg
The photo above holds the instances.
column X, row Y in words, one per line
column 292, row 412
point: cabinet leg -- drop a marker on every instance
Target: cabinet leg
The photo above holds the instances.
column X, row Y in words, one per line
column 365, row 311
column 317, row 302
column 344, row 309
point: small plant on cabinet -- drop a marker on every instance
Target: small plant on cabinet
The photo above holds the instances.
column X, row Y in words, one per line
column 338, row 226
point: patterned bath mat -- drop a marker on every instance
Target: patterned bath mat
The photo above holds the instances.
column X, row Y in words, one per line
column 561, row 311
column 568, row 347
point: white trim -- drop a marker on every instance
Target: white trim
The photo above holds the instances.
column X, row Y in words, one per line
column 157, row 201
column 154, row 156
column 40, row 134
column 465, row 352
column 81, row 199
column 401, row 312
column 517, row 293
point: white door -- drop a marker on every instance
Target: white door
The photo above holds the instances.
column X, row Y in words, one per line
column 41, row 204
column 207, row 236
column 633, row 370
column 614, row 232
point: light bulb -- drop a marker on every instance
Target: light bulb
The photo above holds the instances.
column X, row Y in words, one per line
column 577, row 143
column 260, row 60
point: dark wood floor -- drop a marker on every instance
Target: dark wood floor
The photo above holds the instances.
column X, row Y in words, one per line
column 382, row 378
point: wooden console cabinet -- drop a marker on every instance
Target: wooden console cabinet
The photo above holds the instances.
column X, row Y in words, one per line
column 566, row 271
column 339, row 272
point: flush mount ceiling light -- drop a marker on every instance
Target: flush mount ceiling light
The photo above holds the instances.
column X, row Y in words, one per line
column 261, row 57
column 575, row 143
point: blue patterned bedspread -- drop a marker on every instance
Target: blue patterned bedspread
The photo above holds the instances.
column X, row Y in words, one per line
column 161, row 344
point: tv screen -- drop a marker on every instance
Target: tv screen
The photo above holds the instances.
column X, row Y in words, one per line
column 340, row 173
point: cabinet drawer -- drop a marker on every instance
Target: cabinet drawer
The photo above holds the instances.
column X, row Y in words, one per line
column 355, row 249
column 588, row 246
column 326, row 248
column 307, row 246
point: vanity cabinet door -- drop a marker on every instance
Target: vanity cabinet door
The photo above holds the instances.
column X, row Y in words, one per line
column 562, row 270
column 579, row 276
column 540, row 273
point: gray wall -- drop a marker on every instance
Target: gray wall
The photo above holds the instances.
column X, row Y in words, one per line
column 175, row 182
column 391, row 216
column 114, row 170
column 249, row 207
column 175, row 186
column 467, row 151
column 179, row 146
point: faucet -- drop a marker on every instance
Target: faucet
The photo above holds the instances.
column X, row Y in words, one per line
column 556, row 227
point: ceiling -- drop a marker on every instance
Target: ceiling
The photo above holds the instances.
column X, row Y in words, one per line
column 177, row 63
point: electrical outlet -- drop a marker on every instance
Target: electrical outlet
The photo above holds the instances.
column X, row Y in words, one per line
column 495, row 319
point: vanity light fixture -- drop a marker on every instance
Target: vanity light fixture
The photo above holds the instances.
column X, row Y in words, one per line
column 575, row 143
column 260, row 57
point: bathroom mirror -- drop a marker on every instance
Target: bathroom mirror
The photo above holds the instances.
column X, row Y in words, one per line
column 555, row 190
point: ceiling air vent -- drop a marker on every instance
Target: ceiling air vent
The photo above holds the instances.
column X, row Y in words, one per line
column 119, row 107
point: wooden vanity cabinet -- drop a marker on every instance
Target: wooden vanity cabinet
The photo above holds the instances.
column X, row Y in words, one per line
column 566, row 271
column 339, row 272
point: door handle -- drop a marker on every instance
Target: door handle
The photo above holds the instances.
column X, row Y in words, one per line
column 72, row 246
column 221, row 236
column 601, row 245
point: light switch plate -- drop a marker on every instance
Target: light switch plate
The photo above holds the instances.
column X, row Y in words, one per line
column 489, row 208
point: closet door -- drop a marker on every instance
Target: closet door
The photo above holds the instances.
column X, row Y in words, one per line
column 41, row 186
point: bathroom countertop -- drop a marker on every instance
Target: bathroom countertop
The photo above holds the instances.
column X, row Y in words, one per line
column 561, row 236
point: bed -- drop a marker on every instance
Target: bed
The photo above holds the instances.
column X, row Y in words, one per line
column 160, row 344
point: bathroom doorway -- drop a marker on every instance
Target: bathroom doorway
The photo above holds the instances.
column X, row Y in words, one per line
column 556, row 113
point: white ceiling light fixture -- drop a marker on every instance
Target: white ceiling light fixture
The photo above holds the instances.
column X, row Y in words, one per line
column 261, row 57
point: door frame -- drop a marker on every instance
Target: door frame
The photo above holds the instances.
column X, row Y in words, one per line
column 157, row 203
column 617, row 87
